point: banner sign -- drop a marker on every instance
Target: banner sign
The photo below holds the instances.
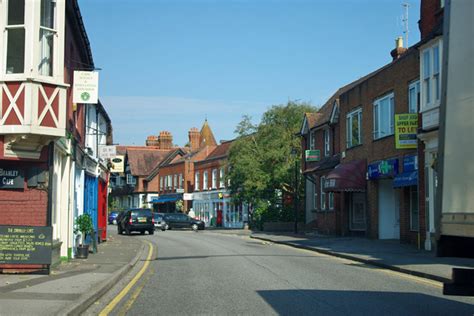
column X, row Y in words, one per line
column 107, row 152
column 312, row 155
column 406, row 126
column 410, row 163
column 187, row 196
column 117, row 164
column 25, row 244
column 86, row 87
column 11, row 178
column 383, row 169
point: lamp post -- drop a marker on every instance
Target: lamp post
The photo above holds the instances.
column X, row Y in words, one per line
column 294, row 153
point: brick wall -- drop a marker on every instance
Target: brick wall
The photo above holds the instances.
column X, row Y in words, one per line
column 430, row 15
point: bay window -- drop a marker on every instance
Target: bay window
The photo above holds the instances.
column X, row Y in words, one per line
column 353, row 128
column 384, row 116
column 47, row 33
column 15, row 33
column 413, row 97
column 431, row 75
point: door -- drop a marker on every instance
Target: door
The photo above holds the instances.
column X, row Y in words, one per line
column 389, row 211
column 357, row 221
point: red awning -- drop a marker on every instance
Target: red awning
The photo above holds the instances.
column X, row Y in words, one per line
column 348, row 177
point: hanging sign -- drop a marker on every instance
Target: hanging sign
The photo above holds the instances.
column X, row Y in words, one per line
column 406, row 126
column 25, row 244
column 86, row 87
column 11, row 178
column 117, row 164
column 312, row 155
column 107, row 152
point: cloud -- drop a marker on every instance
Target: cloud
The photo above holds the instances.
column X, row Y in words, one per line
column 134, row 118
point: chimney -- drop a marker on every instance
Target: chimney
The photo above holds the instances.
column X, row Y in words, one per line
column 399, row 49
column 165, row 140
column 152, row 140
column 431, row 16
column 194, row 136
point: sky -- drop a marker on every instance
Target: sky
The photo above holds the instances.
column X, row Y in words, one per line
column 170, row 64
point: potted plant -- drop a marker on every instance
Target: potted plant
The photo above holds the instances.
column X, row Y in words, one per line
column 83, row 224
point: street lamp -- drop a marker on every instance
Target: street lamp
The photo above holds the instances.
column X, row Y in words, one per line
column 294, row 154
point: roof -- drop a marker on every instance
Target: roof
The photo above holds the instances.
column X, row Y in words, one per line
column 207, row 137
column 143, row 160
column 166, row 160
column 221, row 151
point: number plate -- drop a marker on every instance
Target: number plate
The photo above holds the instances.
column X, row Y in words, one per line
column 142, row 219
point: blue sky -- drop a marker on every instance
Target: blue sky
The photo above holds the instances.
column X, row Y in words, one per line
column 169, row 64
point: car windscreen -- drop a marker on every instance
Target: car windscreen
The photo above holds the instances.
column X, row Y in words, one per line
column 141, row 213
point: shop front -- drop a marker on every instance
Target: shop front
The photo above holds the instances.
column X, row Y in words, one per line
column 216, row 209
column 166, row 203
column 91, row 191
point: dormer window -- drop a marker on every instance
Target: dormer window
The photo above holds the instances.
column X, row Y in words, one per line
column 15, row 33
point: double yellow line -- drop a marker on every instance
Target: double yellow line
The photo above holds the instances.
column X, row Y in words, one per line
column 127, row 289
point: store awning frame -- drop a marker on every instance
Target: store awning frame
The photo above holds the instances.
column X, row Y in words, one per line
column 167, row 198
column 347, row 177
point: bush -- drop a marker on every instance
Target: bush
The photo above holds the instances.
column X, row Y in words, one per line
column 84, row 225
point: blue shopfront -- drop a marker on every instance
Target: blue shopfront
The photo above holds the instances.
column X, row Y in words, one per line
column 91, row 191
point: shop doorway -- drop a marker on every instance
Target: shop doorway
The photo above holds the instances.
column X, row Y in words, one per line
column 357, row 221
column 389, row 210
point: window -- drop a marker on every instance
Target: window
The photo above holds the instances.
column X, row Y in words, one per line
column 15, row 33
column 312, row 140
column 170, row 181
column 196, row 181
column 414, row 215
column 214, row 178
column 384, row 116
column 46, row 37
column 431, row 75
column 161, row 184
column 181, row 181
column 175, row 182
column 327, row 144
column 331, row 200
column 353, row 128
column 414, row 97
column 315, row 195
column 221, row 178
column 131, row 179
column 323, row 194
column 204, row 181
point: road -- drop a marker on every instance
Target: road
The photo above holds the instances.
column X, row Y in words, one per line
column 220, row 274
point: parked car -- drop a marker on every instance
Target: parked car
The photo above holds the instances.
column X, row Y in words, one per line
column 136, row 220
column 180, row 220
column 159, row 221
column 113, row 217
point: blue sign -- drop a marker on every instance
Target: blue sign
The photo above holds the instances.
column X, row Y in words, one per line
column 410, row 163
column 383, row 169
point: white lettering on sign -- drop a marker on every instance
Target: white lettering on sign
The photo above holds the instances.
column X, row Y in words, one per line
column 8, row 173
column 7, row 181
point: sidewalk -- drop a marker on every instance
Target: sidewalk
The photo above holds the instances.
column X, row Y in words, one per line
column 387, row 254
column 71, row 286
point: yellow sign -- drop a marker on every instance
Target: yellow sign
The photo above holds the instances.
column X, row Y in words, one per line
column 117, row 164
column 406, row 126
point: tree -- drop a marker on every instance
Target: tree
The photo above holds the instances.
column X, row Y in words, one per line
column 261, row 166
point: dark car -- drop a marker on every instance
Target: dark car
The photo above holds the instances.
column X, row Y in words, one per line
column 159, row 221
column 180, row 220
column 136, row 220
column 113, row 217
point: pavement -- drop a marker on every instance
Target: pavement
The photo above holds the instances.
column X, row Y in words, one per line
column 71, row 287
column 389, row 254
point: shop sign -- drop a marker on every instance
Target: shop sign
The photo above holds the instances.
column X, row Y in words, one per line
column 187, row 196
column 406, row 126
column 117, row 164
column 91, row 166
column 312, row 155
column 179, row 190
column 410, row 163
column 86, row 87
column 383, row 169
column 11, row 178
column 25, row 244
column 107, row 152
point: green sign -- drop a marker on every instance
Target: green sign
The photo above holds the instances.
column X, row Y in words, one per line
column 312, row 155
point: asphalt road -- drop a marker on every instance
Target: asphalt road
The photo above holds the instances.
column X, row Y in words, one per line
column 208, row 273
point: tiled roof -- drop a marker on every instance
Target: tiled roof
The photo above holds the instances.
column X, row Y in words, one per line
column 143, row 160
column 207, row 137
column 221, row 151
column 312, row 118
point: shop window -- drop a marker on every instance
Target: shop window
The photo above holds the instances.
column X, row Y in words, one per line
column 353, row 128
column 323, row 194
column 46, row 36
column 384, row 116
column 15, row 33
column 414, row 214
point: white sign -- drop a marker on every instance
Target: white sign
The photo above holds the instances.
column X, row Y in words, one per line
column 107, row 152
column 187, row 196
column 179, row 190
column 117, row 164
column 86, row 87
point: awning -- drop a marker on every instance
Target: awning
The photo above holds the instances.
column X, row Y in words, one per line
column 406, row 179
column 348, row 177
column 167, row 198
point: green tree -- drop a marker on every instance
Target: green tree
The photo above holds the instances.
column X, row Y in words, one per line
column 261, row 164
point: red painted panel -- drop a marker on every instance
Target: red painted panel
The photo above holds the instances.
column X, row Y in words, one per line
column 41, row 103
column 48, row 120
column 12, row 119
column 102, row 209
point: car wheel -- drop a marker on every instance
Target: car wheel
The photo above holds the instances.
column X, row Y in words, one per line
column 119, row 230
column 167, row 227
column 194, row 227
column 151, row 232
column 142, row 232
column 127, row 231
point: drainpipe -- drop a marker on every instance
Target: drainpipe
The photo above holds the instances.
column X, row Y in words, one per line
column 49, row 211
